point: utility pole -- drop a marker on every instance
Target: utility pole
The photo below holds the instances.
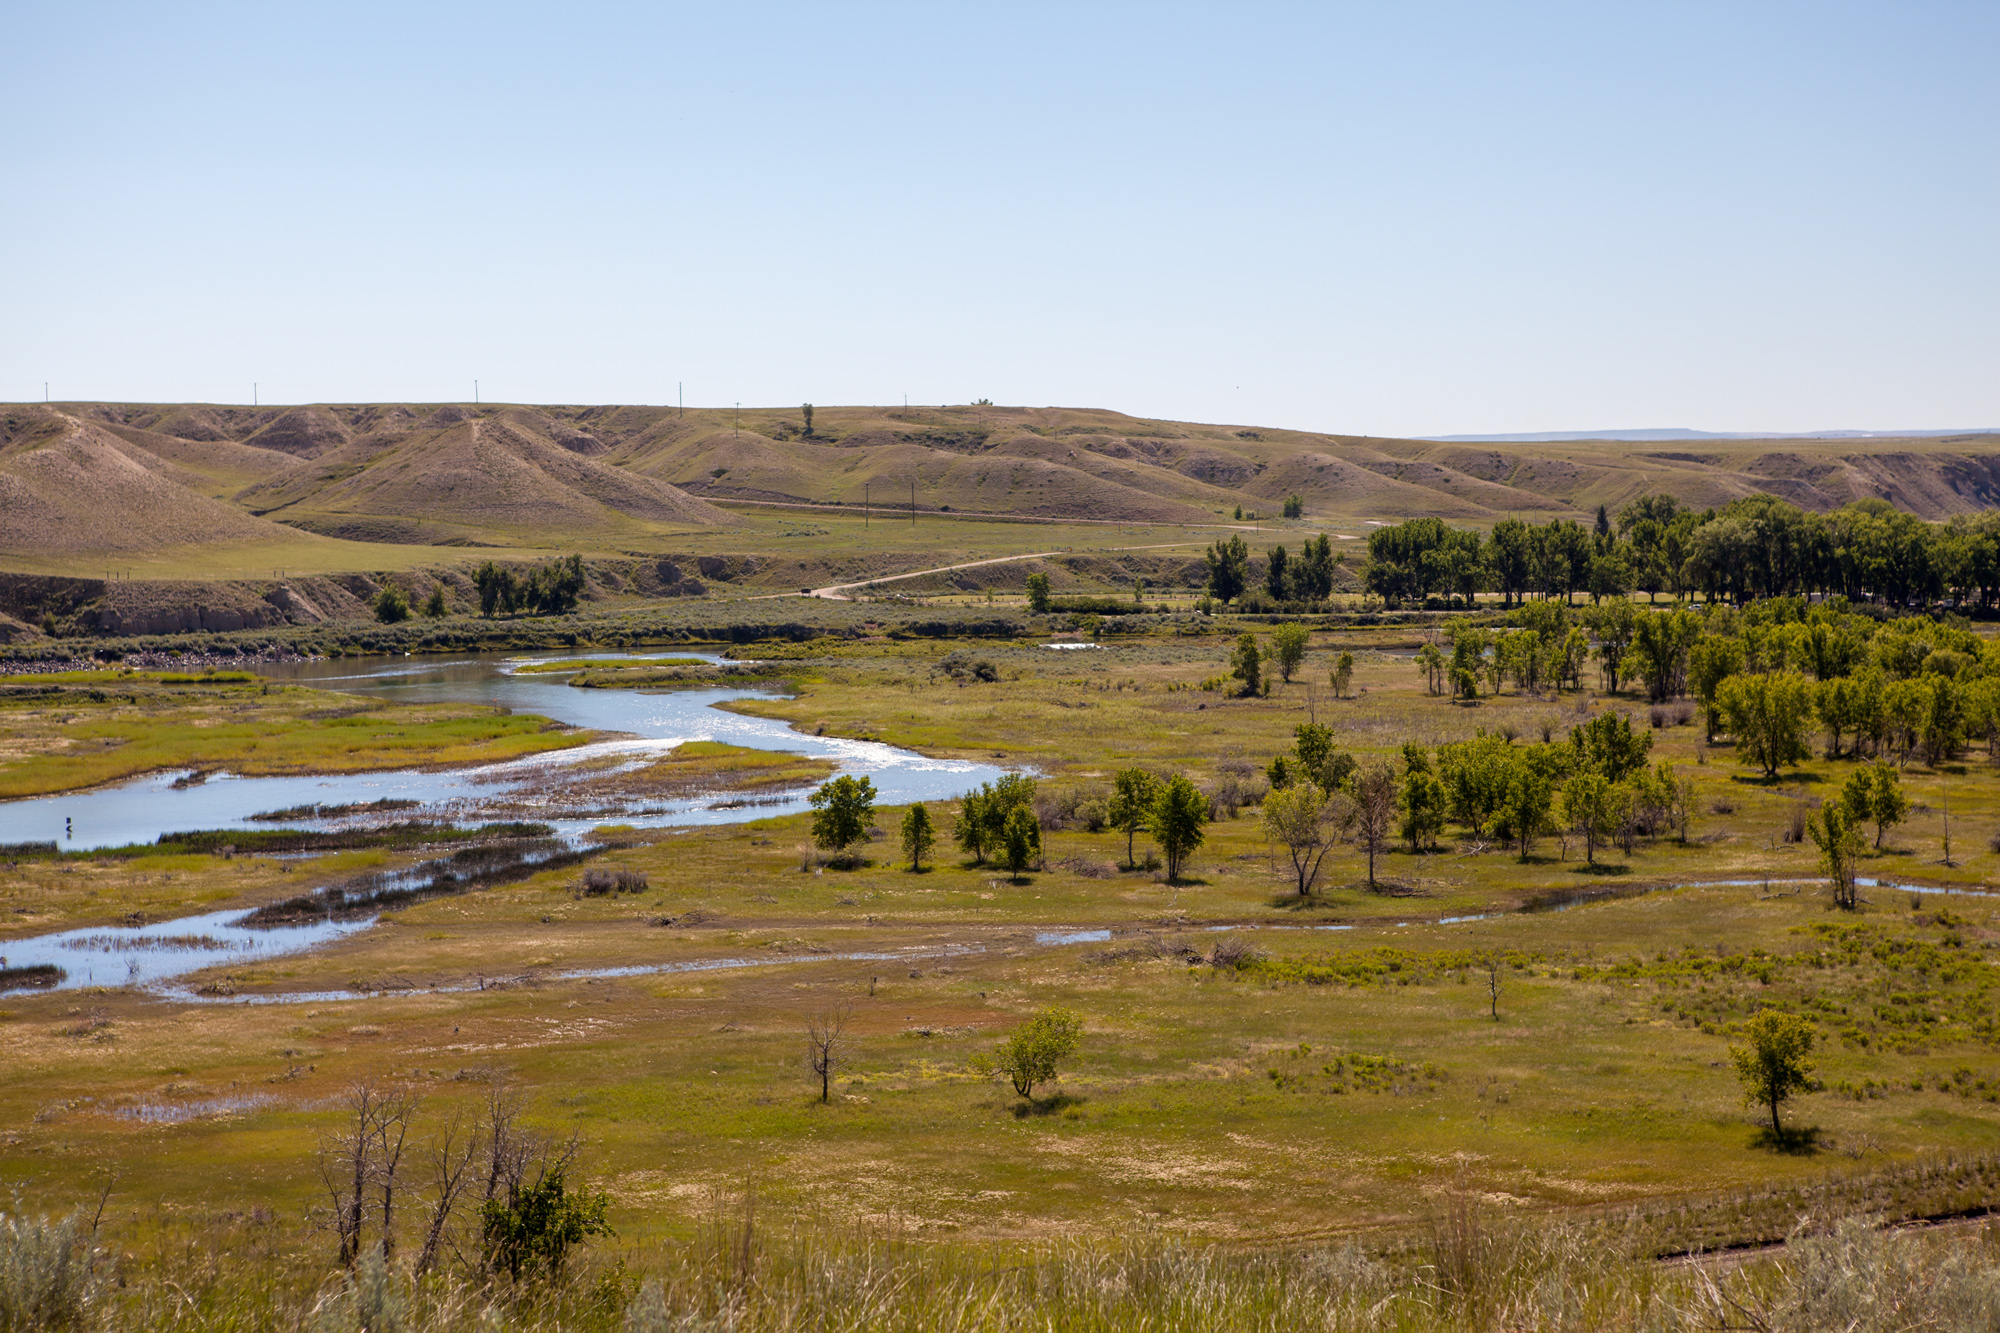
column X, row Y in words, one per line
column 680, row 398
column 45, row 391
column 475, row 393
column 253, row 393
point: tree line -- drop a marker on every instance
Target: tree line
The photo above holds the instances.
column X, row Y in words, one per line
column 1759, row 546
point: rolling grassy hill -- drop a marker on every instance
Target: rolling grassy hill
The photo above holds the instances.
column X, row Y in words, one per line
column 99, row 478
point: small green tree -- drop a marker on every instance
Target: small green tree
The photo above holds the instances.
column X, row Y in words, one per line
column 1529, row 806
column 1179, row 811
column 1594, row 808
column 498, row 588
column 970, row 828
column 918, row 835
column 1036, row 1050
column 435, row 608
column 1306, row 821
column 1875, row 793
column 1839, row 840
column 1431, row 665
column 1021, row 838
column 1133, row 791
column 392, row 605
column 806, row 410
column 1424, row 799
column 1343, row 675
column 1774, row 1062
column 1228, row 567
column 1294, row 506
column 534, row 1228
column 1038, row 593
column 841, row 811
column 1245, row 664
column 1288, row 648
column 1374, row 812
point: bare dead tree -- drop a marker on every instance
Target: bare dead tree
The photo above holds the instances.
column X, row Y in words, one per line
column 1374, row 812
column 451, row 1157
column 392, row 1131
column 826, row 1045
column 345, row 1156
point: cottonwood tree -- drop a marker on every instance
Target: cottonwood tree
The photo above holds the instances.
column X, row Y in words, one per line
column 1179, row 811
column 1768, row 715
column 1035, row 1051
column 1342, row 675
column 917, row 835
column 1875, row 793
column 826, row 1045
column 1374, row 812
column 1834, row 832
column 1038, row 593
column 1774, row 1062
column 1594, row 808
column 1021, row 839
column 1288, row 648
column 842, row 808
column 1228, row 567
column 1244, row 664
column 1133, row 791
column 1307, row 821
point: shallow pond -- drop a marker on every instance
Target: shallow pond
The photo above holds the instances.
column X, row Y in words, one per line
column 141, row 810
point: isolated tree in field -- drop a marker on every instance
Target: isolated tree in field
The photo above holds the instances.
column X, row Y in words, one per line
column 1375, row 803
column 1875, row 793
column 1179, row 811
column 435, row 607
column 1839, row 840
column 806, row 410
column 1228, row 567
column 1342, row 676
column 1288, row 648
column 1038, row 593
column 1132, row 794
column 1036, row 1050
column 918, row 835
column 1306, row 821
column 1244, row 664
column 534, row 1228
column 998, row 802
column 826, row 1044
column 841, row 811
column 1768, row 715
column 1021, row 838
column 1773, row 1063
column 1431, row 665
column 392, row 605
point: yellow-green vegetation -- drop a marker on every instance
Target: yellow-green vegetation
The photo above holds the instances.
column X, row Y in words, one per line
column 603, row 664
column 84, row 729
column 1256, row 1066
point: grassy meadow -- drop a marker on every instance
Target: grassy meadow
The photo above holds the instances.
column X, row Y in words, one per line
column 1260, row 1071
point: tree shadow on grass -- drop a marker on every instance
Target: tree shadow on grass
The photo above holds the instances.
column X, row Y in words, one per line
column 1782, row 780
column 1053, row 1104
column 1802, row 1141
column 1601, row 868
column 1290, row 901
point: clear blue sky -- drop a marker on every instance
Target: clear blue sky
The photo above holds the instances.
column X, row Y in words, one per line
column 1393, row 218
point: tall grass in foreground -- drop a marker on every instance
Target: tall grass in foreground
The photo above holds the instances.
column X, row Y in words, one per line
column 1469, row 1271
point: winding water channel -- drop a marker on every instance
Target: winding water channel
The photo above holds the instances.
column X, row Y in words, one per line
column 154, row 956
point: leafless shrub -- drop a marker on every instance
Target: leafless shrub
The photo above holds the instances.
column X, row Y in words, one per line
column 1229, row 953
column 600, row 882
column 1089, row 867
column 1681, row 713
column 1795, row 820
column 1658, row 716
column 1722, row 805
column 1059, row 809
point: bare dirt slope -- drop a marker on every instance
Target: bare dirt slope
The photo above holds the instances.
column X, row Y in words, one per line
column 69, row 486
